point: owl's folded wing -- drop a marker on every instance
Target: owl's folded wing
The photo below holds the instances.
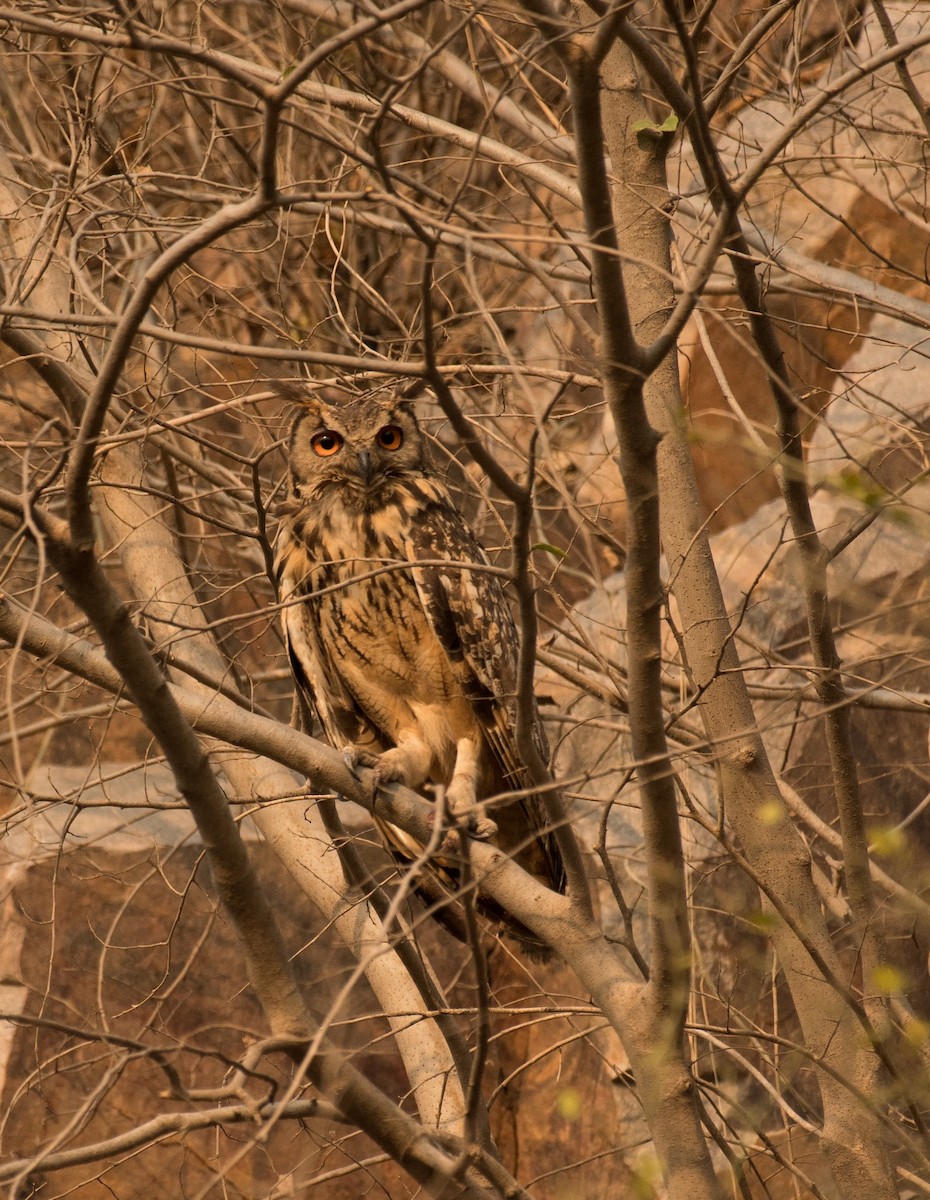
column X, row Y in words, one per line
column 468, row 612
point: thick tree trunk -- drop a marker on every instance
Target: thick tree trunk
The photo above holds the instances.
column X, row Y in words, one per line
column 853, row 1140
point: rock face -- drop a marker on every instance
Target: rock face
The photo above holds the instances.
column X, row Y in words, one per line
column 842, row 206
column 868, row 455
column 125, row 978
column 876, row 429
column 114, row 950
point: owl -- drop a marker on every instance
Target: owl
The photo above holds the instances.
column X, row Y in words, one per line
column 400, row 643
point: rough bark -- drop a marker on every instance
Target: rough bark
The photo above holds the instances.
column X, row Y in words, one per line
column 748, row 788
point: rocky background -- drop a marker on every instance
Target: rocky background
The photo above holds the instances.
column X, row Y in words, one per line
column 115, row 958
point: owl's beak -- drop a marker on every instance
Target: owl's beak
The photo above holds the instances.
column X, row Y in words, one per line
column 364, row 465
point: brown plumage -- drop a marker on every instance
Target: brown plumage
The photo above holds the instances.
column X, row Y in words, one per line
column 413, row 667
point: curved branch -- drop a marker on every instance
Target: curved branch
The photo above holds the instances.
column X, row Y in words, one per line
column 82, row 456
column 167, row 1124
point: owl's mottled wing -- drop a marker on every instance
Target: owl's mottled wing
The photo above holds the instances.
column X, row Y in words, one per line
column 468, row 613
column 322, row 690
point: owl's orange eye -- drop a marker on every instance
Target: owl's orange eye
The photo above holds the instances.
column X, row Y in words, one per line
column 326, row 443
column 391, row 437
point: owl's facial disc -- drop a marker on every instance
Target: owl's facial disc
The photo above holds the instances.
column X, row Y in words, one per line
column 358, row 453
column 389, row 438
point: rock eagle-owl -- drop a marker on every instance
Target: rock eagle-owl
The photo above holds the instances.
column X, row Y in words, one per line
column 402, row 642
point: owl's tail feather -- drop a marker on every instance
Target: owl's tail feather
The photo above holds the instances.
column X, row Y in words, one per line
column 446, row 909
column 524, row 833
column 438, row 888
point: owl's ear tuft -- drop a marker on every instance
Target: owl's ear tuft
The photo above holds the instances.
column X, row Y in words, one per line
column 301, row 395
column 405, row 399
column 415, row 388
column 312, row 399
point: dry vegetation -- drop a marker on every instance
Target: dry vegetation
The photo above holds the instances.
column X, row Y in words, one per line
column 696, row 343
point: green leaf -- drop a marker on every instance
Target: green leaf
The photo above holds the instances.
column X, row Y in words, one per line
column 859, row 486
column 550, row 549
column 887, row 980
column 917, row 1032
column 646, row 1178
column 763, row 922
column 887, row 840
column 773, row 812
column 669, row 125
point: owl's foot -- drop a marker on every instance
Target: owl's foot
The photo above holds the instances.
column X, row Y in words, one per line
column 402, row 764
column 472, row 823
column 462, row 792
column 386, row 771
column 483, row 828
column 475, row 824
column 354, row 757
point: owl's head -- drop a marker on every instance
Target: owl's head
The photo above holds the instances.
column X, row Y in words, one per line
column 357, row 446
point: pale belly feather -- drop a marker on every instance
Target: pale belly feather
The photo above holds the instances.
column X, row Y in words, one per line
column 394, row 665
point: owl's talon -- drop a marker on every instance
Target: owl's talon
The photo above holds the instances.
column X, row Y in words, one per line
column 450, row 843
column 482, row 828
column 385, row 773
column 353, row 757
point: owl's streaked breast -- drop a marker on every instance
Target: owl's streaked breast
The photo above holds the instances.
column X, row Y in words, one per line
column 371, row 626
